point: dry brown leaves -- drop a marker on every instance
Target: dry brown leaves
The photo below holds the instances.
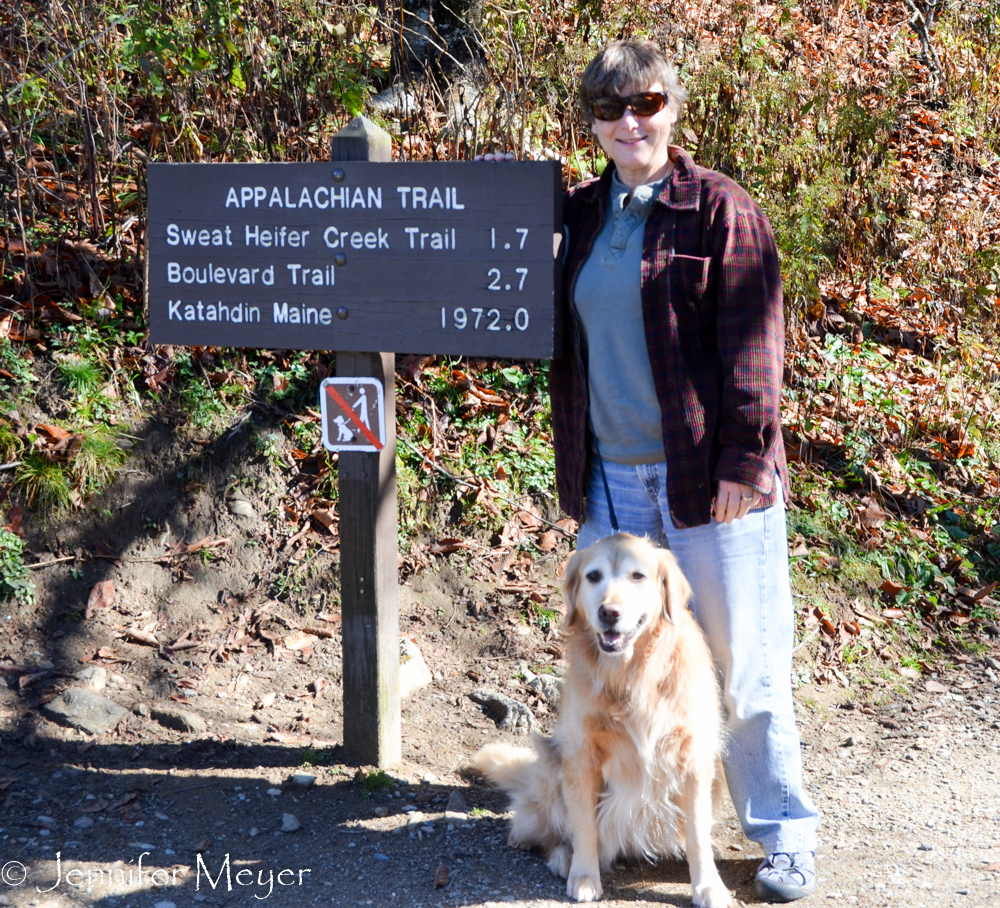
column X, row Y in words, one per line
column 102, row 596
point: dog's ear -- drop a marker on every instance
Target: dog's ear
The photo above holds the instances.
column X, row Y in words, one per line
column 571, row 585
column 674, row 587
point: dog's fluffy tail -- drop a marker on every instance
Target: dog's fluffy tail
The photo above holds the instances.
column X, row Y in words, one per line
column 533, row 779
column 505, row 766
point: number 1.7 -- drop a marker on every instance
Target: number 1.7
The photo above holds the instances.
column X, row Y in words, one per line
column 521, row 230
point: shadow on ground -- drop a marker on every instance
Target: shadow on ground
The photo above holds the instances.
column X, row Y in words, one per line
column 98, row 824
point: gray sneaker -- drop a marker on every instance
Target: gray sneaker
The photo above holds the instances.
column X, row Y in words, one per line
column 785, row 877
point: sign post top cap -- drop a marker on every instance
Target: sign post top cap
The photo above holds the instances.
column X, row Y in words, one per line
column 362, row 126
column 361, row 140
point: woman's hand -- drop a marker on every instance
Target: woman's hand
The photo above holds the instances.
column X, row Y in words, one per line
column 734, row 501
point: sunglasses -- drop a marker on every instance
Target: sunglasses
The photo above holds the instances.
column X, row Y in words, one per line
column 644, row 104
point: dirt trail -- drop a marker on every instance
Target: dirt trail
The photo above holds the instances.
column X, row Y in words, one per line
column 908, row 790
column 909, row 793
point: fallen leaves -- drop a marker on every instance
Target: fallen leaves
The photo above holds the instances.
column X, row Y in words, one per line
column 327, row 517
column 447, row 546
column 138, row 635
column 95, row 806
column 825, row 624
column 185, row 641
column 205, row 544
column 892, row 588
column 266, row 701
column 323, row 632
column 979, row 595
column 102, row 596
column 25, row 681
column 317, row 686
column 549, row 540
column 299, row 640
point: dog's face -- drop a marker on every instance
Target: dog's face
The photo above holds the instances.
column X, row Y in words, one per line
column 620, row 586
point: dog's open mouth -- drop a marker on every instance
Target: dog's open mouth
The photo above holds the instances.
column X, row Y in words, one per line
column 614, row 641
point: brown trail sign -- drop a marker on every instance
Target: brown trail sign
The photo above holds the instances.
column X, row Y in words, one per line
column 432, row 257
column 354, row 256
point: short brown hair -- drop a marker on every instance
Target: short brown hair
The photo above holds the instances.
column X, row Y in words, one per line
column 624, row 64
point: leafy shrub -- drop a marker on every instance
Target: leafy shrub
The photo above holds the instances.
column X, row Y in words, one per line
column 15, row 578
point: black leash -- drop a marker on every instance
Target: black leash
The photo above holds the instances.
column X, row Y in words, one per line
column 604, row 479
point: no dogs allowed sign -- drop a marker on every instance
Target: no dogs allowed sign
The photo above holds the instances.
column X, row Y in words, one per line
column 353, row 414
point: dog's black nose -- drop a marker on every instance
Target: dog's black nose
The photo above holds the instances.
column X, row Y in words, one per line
column 609, row 614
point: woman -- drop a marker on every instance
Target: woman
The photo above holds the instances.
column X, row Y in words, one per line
column 665, row 409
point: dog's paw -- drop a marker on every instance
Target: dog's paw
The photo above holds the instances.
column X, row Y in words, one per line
column 711, row 895
column 559, row 860
column 582, row 888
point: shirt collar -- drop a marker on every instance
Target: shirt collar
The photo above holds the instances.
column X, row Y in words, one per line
column 636, row 201
column 680, row 190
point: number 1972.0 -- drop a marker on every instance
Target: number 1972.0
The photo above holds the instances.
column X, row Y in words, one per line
column 478, row 319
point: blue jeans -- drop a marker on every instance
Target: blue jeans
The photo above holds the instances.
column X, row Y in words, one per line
column 743, row 602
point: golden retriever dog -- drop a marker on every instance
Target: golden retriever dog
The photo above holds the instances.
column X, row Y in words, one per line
column 633, row 768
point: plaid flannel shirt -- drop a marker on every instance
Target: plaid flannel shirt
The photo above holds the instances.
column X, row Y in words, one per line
column 712, row 311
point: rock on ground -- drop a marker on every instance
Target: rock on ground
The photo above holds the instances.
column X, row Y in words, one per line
column 509, row 714
column 93, row 677
column 178, row 719
column 84, row 710
column 413, row 671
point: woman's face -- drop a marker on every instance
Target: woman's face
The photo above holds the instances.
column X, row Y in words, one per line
column 638, row 145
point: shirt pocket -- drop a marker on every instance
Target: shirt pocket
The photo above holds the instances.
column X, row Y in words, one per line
column 691, row 298
column 693, row 272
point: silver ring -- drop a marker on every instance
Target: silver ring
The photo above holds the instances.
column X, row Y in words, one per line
column 747, row 497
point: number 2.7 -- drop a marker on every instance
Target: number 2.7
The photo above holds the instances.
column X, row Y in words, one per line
column 495, row 283
column 521, row 230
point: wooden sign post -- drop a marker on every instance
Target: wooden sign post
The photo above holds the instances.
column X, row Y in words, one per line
column 353, row 255
column 369, row 546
